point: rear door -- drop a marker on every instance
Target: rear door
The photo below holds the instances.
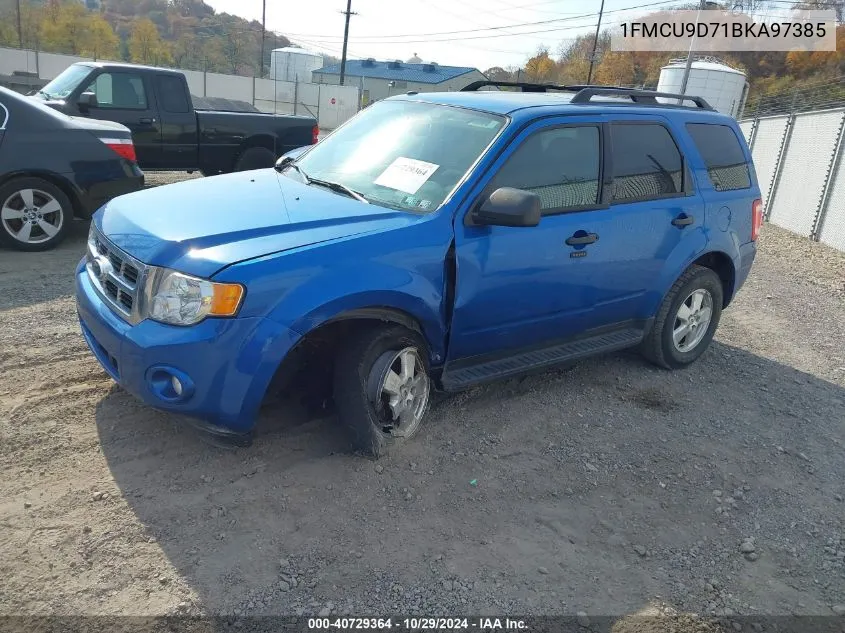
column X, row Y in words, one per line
column 127, row 97
column 178, row 123
column 654, row 207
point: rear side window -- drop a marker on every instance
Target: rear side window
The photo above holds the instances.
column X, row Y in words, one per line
column 171, row 91
column 560, row 165
column 722, row 154
column 646, row 162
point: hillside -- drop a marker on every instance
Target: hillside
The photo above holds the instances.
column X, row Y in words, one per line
column 184, row 33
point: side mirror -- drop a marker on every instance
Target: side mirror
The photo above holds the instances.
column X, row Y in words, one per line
column 87, row 100
column 509, row 207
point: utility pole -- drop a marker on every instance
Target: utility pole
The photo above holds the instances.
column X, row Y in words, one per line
column 701, row 7
column 348, row 14
column 263, row 35
column 595, row 44
column 20, row 30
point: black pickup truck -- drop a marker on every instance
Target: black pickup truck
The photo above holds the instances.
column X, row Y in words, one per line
column 169, row 134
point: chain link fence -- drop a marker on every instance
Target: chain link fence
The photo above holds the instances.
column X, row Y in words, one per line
column 798, row 159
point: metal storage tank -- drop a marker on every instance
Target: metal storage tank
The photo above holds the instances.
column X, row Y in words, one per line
column 723, row 87
column 294, row 64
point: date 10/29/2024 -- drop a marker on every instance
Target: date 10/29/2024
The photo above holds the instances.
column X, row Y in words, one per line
column 416, row 624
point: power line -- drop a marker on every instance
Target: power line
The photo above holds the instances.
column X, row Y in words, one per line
column 496, row 28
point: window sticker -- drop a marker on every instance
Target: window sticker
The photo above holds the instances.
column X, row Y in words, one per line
column 406, row 174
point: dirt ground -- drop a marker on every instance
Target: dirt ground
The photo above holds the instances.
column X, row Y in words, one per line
column 597, row 490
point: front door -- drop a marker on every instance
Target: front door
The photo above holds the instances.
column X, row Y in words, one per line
column 522, row 286
column 126, row 98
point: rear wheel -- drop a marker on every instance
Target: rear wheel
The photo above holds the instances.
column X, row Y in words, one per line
column 382, row 389
column 35, row 215
column 686, row 321
column 255, row 158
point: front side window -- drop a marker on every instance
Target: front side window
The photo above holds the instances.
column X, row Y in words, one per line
column 646, row 162
column 560, row 165
column 121, row 91
column 721, row 152
column 402, row 154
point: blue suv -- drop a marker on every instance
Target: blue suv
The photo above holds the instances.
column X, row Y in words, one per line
column 432, row 241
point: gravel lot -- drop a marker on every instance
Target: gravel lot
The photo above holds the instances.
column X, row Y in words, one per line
column 601, row 489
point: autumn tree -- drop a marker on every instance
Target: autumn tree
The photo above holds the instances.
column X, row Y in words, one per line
column 541, row 67
column 101, row 41
column 616, row 69
column 65, row 27
column 146, row 45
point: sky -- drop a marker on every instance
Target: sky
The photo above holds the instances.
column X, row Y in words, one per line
column 477, row 33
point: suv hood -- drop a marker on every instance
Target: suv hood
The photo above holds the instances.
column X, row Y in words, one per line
column 200, row 226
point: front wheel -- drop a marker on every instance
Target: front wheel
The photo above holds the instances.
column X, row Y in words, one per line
column 382, row 388
column 686, row 321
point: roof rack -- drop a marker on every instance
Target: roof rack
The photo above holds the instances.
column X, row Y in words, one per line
column 637, row 96
column 584, row 93
column 525, row 86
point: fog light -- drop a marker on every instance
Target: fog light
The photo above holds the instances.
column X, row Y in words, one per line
column 177, row 385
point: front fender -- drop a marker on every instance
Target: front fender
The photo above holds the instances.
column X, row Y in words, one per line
column 328, row 296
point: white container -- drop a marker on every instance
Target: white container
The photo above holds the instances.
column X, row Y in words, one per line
column 723, row 87
column 294, row 64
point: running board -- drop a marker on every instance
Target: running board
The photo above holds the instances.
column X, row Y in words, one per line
column 465, row 375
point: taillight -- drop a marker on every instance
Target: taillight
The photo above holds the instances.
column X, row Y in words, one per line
column 123, row 147
column 315, row 134
column 756, row 218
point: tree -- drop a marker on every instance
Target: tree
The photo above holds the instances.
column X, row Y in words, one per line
column 185, row 51
column 101, row 41
column 65, row 27
column 497, row 73
column 541, row 67
column 146, row 45
column 233, row 50
column 616, row 69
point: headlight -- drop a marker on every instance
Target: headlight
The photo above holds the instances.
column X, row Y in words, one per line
column 181, row 299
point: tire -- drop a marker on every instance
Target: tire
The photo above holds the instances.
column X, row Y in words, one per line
column 35, row 215
column 361, row 380
column 255, row 158
column 677, row 314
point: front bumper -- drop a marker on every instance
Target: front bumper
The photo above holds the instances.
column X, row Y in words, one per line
column 226, row 364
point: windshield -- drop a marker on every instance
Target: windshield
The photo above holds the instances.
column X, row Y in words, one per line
column 65, row 83
column 402, row 154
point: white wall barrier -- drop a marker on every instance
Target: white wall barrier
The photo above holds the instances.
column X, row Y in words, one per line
column 330, row 105
column 798, row 159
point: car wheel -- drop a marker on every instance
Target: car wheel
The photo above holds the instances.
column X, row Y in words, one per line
column 35, row 215
column 686, row 321
column 382, row 388
column 255, row 158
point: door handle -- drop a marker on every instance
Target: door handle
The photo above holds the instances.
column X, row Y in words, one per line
column 146, row 120
column 589, row 238
column 683, row 220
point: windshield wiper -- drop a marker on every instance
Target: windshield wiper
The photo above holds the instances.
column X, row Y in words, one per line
column 337, row 188
column 47, row 95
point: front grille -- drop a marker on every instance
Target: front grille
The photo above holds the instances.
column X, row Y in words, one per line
column 117, row 276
